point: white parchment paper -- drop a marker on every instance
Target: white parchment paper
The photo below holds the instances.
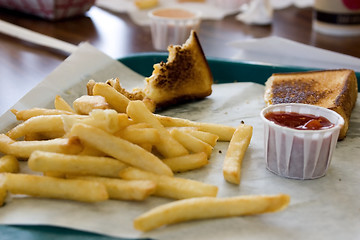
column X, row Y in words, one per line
column 326, row 208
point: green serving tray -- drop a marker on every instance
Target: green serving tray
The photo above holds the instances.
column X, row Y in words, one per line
column 223, row 70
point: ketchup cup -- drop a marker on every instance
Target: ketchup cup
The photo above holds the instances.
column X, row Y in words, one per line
column 299, row 153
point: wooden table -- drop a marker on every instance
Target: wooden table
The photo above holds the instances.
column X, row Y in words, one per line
column 23, row 65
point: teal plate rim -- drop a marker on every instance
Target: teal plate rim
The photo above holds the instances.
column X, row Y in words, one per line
column 223, row 70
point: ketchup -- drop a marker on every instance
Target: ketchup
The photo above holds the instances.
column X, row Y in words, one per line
column 299, row 121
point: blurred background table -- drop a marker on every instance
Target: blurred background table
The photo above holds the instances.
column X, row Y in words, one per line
column 23, row 64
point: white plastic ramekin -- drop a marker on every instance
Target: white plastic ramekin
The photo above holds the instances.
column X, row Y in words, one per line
column 172, row 26
column 300, row 154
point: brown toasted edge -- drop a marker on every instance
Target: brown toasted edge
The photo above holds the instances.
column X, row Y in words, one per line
column 310, row 72
column 198, row 44
column 346, row 101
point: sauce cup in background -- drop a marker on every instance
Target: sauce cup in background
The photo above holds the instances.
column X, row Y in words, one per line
column 298, row 153
column 172, row 26
column 337, row 17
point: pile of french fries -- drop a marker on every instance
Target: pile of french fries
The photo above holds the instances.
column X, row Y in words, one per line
column 107, row 146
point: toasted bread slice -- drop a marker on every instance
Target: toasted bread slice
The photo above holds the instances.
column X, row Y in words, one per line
column 333, row 89
column 185, row 76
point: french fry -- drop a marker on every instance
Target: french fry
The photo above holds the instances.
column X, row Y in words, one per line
column 85, row 104
column 139, row 135
column 207, row 137
column 121, row 149
column 75, row 164
column 236, row 152
column 191, row 143
column 55, row 174
column 42, row 123
column 171, row 187
column 167, row 146
column 3, row 191
column 89, row 87
column 9, row 163
column 108, row 120
column 209, row 207
column 23, row 149
column 135, row 94
column 24, row 115
column 61, row 104
column 49, row 187
column 90, row 151
column 120, row 189
column 187, row 162
column 116, row 100
column 224, row 132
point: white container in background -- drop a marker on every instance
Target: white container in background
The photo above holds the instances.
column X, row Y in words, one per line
column 337, row 17
column 172, row 26
column 229, row 4
column 298, row 153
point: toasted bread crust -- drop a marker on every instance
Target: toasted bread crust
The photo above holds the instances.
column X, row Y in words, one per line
column 185, row 76
column 333, row 89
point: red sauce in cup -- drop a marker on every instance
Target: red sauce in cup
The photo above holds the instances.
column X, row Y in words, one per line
column 299, row 121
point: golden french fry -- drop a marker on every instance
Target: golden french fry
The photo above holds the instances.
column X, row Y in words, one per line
column 23, row 149
column 9, row 163
column 116, row 100
column 191, row 143
column 3, row 191
column 124, row 189
column 85, row 104
column 75, row 164
column 108, row 120
column 121, row 149
column 29, row 113
column 209, row 207
column 61, row 104
column 89, row 87
column 236, row 152
column 167, row 146
column 42, row 123
column 139, row 135
column 207, row 137
column 146, row 146
column 55, row 174
column 91, row 151
column 49, row 187
column 171, row 187
column 224, row 132
column 187, row 162
column 44, row 135
column 33, row 136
